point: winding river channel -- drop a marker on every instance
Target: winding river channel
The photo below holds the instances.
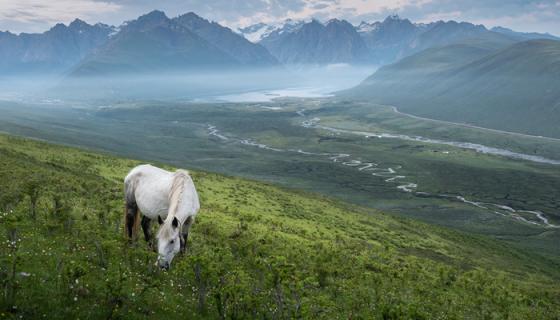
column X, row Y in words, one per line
column 314, row 123
column 394, row 174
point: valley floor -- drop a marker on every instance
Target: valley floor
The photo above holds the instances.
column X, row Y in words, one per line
column 474, row 180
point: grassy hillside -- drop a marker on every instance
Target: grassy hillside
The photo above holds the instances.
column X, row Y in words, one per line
column 514, row 89
column 256, row 251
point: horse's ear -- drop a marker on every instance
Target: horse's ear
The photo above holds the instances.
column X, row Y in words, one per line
column 159, row 220
column 175, row 222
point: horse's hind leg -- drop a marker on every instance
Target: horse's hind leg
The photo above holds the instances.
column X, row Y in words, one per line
column 185, row 233
column 131, row 215
column 147, row 231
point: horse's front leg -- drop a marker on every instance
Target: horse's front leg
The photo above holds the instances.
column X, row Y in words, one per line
column 147, row 231
column 185, row 233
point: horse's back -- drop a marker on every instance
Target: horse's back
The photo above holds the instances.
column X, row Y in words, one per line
column 145, row 170
column 150, row 186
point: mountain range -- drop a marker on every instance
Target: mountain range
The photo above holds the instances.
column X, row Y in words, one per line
column 315, row 43
column 53, row 51
column 382, row 42
column 156, row 43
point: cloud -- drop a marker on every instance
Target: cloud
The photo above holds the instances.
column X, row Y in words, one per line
column 444, row 16
column 327, row 9
column 41, row 13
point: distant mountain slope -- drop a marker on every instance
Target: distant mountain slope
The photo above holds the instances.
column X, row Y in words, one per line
column 514, row 89
column 395, row 38
column 154, row 43
column 225, row 39
column 443, row 33
column 524, row 35
column 53, row 51
column 389, row 40
column 315, row 43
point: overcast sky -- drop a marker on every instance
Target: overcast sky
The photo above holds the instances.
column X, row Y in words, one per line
column 522, row 15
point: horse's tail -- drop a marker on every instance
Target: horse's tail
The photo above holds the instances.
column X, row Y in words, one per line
column 131, row 212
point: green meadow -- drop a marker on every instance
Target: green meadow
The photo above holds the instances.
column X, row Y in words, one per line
column 256, row 251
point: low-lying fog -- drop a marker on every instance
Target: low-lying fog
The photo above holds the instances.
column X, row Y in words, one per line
column 216, row 85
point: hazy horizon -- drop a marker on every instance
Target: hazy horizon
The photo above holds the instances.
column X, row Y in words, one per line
column 304, row 81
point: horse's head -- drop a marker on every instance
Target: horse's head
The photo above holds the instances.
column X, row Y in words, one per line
column 169, row 243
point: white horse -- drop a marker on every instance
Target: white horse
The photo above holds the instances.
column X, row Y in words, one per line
column 169, row 197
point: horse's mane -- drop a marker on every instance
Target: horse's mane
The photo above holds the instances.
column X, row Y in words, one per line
column 175, row 198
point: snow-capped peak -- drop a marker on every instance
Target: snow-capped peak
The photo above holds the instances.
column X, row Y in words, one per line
column 365, row 27
column 259, row 31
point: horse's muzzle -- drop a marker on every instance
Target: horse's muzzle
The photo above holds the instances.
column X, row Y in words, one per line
column 164, row 265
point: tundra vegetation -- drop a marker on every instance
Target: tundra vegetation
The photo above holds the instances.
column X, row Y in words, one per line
column 256, row 251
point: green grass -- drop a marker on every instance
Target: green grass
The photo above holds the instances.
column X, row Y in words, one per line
column 256, row 251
